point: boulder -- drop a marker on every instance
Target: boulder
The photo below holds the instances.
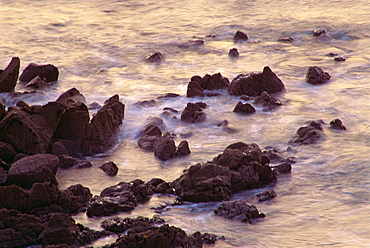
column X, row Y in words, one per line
column 110, row 168
column 43, row 194
column 310, row 134
column 37, row 168
column 165, row 148
column 193, row 113
column 71, row 95
column 155, row 57
column 240, row 36
column 14, row 197
column 37, row 83
column 284, row 167
column 315, row 75
column 183, row 149
column 74, row 198
column 49, row 72
column 198, row 84
column 194, row 89
column 149, row 135
column 266, row 195
column 233, row 52
column 9, row 76
column 337, row 124
column 119, row 225
column 254, row 84
column 7, row 152
column 237, row 210
column 203, row 183
column 60, row 229
column 244, row 108
column 3, row 175
column 17, row 229
column 267, row 101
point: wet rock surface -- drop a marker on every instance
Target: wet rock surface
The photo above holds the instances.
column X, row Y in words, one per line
column 238, row 210
column 315, row 75
column 310, row 134
column 49, row 72
column 9, row 76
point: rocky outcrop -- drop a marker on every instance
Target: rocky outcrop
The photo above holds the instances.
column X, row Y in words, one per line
column 14, row 197
column 244, row 108
column 254, row 84
column 267, row 101
column 149, row 135
column 9, row 76
column 238, row 210
column 197, row 84
column 38, row 168
column 49, row 72
column 193, row 113
column 119, row 225
column 60, row 229
column 309, row 134
column 315, row 75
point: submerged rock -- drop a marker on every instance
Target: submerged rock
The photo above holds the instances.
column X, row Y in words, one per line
column 267, row 101
column 9, row 76
column 155, row 57
column 255, row 83
column 193, row 113
column 244, row 108
column 337, row 124
column 240, row 36
column 315, row 75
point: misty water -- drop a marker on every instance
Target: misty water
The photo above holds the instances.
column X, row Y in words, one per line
column 100, row 49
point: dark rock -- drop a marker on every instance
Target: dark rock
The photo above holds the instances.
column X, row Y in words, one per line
column 45, row 213
column 160, row 186
column 2, row 110
column 309, row 134
column 255, row 83
column 63, row 147
column 183, row 149
column 193, row 113
column 110, row 168
column 237, row 210
column 86, row 235
column 337, row 124
column 146, row 103
column 37, row 83
column 288, row 39
column 34, row 169
column 61, row 229
column 209, row 238
column 244, row 108
column 49, row 72
column 192, row 44
column 155, row 57
column 17, row 229
column 266, row 195
column 265, row 160
column 267, row 101
column 74, row 198
column 165, row 148
column 7, row 152
column 240, row 36
column 168, row 95
column 43, row 194
column 203, row 183
column 197, row 84
column 3, row 176
column 14, row 197
column 194, row 89
column 117, row 224
column 339, row 59
column 233, row 52
column 9, row 76
column 315, row 75
column 70, row 96
column 284, row 167
column 318, row 32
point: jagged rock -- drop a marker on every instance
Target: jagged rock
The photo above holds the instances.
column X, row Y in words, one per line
column 194, row 89
column 183, row 149
column 202, row 183
column 70, row 96
column 315, row 75
column 284, row 167
column 60, row 229
column 86, row 235
column 74, row 198
column 242, row 108
column 43, row 194
column 110, row 168
column 14, row 197
column 267, row 101
column 197, row 84
column 155, row 57
column 337, row 124
column 49, row 72
column 37, row 83
column 233, row 52
column 34, row 169
column 240, row 36
column 165, row 148
column 193, row 113
column 9, row 76
column 266, row 195
column 149, row 135
column 255, row 83
column 309, row 134
column 288, row 39
column 237, row 210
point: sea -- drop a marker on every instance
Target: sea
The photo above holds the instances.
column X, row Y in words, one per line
column 100, row 48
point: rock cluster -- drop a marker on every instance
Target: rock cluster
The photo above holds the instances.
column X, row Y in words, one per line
column 197, row 84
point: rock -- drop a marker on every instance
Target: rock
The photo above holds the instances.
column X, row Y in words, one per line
column 149, row 135
column 38, row 168
column 339, row 59
column 266, row 195
column 288, row 39
column 60, row 229
column 165, row 148
column 74, row 198
column 337, row 124
column 14, row 197
column 194, row 89
column 242, row 108
column 267, row 101
column 2, row 110
column 318, row 32
column 70, row 96
column 209, row 238
column 203, row 183
column 198, row 84
column 237, row 210
column 86, row 235
column 17, row 229
column 49, row 72
column 7, row 152
column 192, row 44
column 155, row 57
column 284, row 167
column 3, row 176
column 240, row 36
column 193, row 113
column 168, row 95
column 110, row 168
column 233, row 52
column 119, row 225
column 37, row 83
column 9, row 76
column 315, row 75
column 309, row 134
column 255, row 83
column 183, row 149
column 43, row 194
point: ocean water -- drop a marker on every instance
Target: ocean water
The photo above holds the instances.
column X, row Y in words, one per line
column 100, row 48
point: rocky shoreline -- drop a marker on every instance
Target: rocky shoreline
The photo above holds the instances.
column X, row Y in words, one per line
column 35, row 141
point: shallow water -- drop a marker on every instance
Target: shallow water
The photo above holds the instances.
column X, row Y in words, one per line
column 100, row 47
